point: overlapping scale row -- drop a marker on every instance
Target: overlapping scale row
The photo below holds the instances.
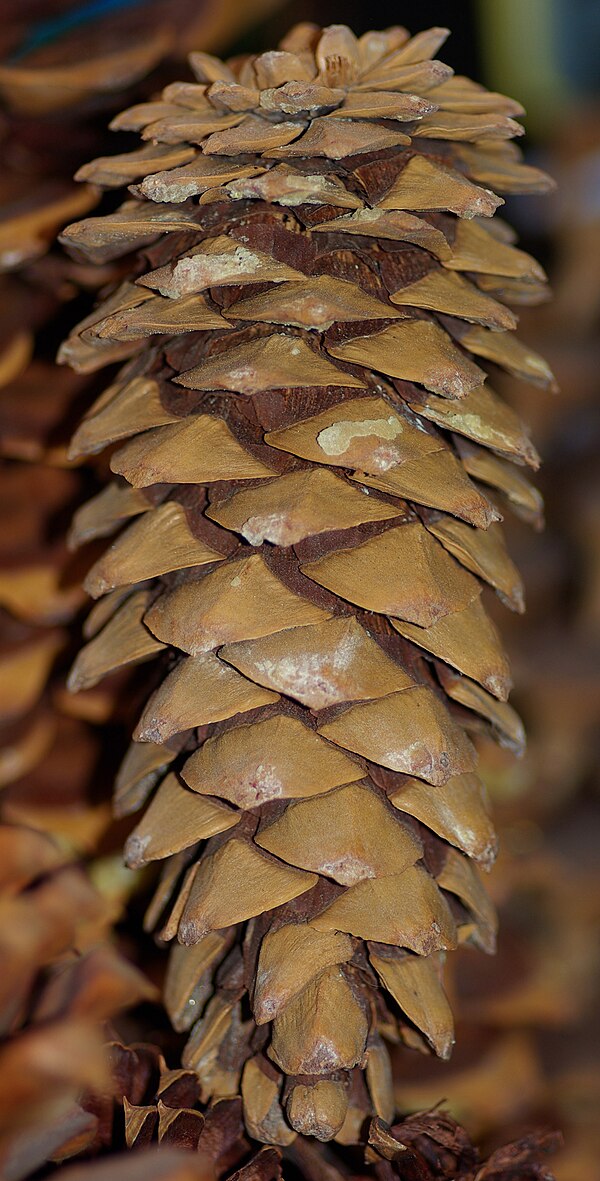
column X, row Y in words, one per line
column 310, row 467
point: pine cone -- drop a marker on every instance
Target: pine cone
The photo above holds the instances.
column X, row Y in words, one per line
column 303, row 448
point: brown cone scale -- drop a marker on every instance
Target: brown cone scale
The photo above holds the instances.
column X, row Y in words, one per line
column 312, row 456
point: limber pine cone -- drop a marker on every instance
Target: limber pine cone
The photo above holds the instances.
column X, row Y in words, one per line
column 303, row 449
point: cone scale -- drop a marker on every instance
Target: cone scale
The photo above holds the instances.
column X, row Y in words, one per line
column 310, row 470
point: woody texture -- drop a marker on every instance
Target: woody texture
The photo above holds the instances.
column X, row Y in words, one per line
column 310, row 470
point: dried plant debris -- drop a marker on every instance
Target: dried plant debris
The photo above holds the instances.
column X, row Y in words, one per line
column 47, row 748
column 40, row 580
column 61, row 979
column 311, row 452
column 158, row 1113
column 430, row 1145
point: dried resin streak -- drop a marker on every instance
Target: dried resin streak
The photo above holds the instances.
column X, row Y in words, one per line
column 310, row 469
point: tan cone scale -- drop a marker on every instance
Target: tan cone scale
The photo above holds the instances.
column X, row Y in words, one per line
column 310, row 470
